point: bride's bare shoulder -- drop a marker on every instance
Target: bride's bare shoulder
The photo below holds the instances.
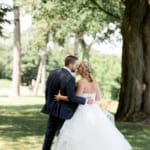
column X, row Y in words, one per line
column 82, row 81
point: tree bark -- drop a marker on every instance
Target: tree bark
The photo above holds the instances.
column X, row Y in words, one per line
column 146, row 42
column 16, row 55
column 76, row 44
column 134, row 98
column 41, row 76
column 85, row 48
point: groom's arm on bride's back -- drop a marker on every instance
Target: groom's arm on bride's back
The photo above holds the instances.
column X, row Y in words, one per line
column 72, row 94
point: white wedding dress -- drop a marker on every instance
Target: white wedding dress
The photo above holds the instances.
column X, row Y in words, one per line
column 90, row 129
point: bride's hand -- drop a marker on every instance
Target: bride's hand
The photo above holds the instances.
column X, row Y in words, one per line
column 58, row 97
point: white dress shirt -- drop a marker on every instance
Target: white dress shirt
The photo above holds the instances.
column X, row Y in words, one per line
column 69, row 71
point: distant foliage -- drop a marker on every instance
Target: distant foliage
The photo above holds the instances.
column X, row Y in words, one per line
column 55, row 58
column 107, row 70
column 29, row 67
column 5, row 60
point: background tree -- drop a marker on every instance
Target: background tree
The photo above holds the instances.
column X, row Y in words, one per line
column 16, row 54
column 63, row 19
column 76, row 18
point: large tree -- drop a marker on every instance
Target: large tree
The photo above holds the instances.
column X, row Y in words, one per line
column 134, row 102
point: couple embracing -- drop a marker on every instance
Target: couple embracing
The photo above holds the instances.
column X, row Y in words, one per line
column 74, row 114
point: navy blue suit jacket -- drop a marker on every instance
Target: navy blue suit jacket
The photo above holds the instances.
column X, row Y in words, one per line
column 61, row 80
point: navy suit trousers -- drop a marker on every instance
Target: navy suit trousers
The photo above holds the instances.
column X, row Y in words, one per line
column 53, row 126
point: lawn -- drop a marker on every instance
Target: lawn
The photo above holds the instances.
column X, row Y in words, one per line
column 22, row 126
column 138, row 135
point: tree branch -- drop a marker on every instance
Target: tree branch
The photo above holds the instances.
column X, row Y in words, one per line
column 105, row 11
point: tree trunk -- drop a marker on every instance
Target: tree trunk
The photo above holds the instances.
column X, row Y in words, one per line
column 134, row 98
column 41, row 76
column 76, row 45
column 146, row 42
column 16, row 55
column 85, row 50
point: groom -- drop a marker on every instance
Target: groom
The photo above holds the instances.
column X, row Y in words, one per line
column 61, row 80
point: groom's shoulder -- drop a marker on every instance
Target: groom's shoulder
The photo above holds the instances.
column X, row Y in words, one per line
column 66, row 72
column 61, row 72
column 55, row 71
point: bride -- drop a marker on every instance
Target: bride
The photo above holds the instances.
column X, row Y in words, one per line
column 89, row 128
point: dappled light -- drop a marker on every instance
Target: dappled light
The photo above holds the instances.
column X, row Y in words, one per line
column 22, row 120
column 24, row 126
column 138, row 135
column 21, row 126
column 35, row 38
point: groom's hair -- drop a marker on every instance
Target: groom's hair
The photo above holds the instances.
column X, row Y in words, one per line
column 70, row 60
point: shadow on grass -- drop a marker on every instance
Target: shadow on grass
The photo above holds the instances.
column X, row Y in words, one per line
column 17, row 122
column 21, row 121
column 138, row 135
column 3, row 96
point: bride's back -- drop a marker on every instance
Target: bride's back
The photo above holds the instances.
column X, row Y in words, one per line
column 90, row 87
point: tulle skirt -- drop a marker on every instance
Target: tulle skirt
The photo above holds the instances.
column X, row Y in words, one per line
column 90, row 129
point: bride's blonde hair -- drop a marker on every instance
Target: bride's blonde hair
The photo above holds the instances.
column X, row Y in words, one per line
column 87, row 71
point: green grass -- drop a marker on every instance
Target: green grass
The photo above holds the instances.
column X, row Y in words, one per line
column 4, row 83
column 22, row 100
column 23, row 127
column 6, row 90
column 138, row 135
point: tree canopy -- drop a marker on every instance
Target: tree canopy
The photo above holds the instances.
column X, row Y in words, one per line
column 72, row 17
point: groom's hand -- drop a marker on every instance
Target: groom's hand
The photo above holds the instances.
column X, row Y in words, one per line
column 89, row 100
